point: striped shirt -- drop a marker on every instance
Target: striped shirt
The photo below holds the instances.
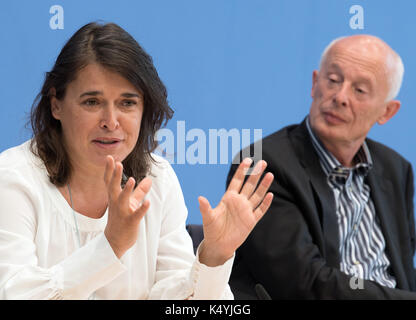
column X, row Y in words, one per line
column 362, row 244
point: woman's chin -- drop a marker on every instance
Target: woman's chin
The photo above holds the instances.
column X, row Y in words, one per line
column 101, row 160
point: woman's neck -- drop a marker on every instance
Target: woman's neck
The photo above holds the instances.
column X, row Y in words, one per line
column 88, row 191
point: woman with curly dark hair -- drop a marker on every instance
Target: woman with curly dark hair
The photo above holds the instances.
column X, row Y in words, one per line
column 88, row 211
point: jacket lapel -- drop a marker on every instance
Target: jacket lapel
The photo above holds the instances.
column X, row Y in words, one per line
column 381, row 191
column 309, row 159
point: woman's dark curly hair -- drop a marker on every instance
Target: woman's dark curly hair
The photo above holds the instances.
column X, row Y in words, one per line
column 111, row 47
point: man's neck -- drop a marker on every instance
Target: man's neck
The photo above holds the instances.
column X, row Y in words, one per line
column 344, row 152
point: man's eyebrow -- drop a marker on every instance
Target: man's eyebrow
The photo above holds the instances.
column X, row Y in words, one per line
column 334, row 66
column 91, row 93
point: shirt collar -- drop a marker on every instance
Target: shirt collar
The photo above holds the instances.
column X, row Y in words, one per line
column 332, row 166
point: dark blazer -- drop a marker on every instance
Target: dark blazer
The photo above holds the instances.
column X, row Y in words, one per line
column 293, row 250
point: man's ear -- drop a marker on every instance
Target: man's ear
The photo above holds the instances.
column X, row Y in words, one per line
column 315, row 74
column 390, row 110
column 55, row 104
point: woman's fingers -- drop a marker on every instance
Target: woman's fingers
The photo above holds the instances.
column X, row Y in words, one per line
column 111, row 173
column 124, row 197
column 204, row 205
column 127, row 206
column 141, row 211
column 142, row 189
column 205, row 209
column 252, row 181
column 129, row 199
column 239, row 176
column 114, row 187
column 264, row 206
column 261, row 190
column 109, row 170
column 136, row 196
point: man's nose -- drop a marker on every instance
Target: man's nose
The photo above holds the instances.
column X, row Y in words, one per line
column 109, row 118
column 341, row 96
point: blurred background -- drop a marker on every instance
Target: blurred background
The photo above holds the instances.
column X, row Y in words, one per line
column 227, row 64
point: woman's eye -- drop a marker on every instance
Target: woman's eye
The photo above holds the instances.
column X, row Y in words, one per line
column 128, row 103
column 91, row 102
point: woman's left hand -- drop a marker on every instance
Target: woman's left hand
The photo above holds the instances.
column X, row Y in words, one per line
column 228, row 225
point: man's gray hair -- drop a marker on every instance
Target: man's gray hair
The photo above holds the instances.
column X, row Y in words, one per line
column 394, row 66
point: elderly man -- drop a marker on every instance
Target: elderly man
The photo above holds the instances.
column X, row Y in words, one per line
column 341, row 224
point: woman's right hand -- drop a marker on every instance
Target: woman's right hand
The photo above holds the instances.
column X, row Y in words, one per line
column 126, row 207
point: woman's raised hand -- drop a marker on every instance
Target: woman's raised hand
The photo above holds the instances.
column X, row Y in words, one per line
column 228, row 225
column 126, row 207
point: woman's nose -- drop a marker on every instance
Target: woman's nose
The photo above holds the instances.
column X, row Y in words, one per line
column 109, row 119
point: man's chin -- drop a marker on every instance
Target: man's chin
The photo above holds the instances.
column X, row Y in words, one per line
column 330, row 132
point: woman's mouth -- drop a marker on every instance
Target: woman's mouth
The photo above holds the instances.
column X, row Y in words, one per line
column 107, row 142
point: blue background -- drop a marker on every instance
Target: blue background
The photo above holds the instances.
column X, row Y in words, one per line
column 226, row 64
